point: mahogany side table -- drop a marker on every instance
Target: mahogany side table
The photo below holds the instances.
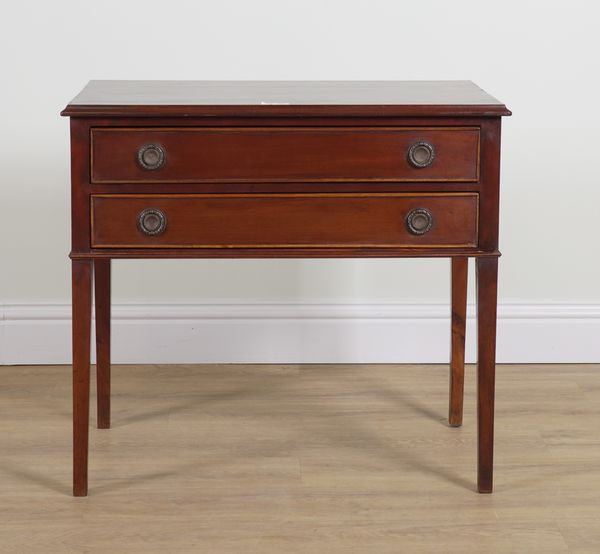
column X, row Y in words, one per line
column 197, row 169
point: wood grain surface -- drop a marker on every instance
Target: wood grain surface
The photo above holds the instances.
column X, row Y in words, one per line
column 285, row 221
column 284, row 154
column 459, row 281
column 297, row 459
column 286, row 98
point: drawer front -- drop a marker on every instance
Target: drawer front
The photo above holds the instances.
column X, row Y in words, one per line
column 284, row 220
column 278, row 154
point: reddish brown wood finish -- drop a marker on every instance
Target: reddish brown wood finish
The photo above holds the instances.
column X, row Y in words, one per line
column 284, row 98
column 80, row 200
column 311, row 174
column 489, row 198
column 82, row 316
column 457, row 349
column 285, row 221
column 320, row 252
column 102, row 297
column 285, row 154
column 487, row 292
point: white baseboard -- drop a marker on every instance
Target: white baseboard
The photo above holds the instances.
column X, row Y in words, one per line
column 303, row 333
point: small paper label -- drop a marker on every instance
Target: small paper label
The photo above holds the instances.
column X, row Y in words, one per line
column 274, row 103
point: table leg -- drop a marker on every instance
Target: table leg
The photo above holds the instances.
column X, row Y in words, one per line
column 82, row 323
column 487, row 292
column 102, row 297
column 457, row 349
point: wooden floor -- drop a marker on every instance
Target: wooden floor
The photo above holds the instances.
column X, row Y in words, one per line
column 310, row 459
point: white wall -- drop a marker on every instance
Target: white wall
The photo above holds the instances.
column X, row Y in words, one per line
column 540, row 58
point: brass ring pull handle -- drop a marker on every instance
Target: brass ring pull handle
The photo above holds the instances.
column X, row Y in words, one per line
column 421, row 154
column 419, row 221
column 152, row 222
column 151, row 157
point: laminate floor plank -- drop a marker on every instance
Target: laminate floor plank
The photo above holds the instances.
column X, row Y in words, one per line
column 298, row 459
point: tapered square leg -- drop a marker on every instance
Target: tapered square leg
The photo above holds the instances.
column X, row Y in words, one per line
column 82, row 323
column 487, row 293
column 457, row 349
column 102, row 298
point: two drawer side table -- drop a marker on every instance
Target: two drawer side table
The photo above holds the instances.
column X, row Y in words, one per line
column 197, row 169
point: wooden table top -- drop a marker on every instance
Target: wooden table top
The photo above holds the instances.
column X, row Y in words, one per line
column 284, row 98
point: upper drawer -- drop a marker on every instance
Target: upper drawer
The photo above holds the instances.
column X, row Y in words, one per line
column 284, row 154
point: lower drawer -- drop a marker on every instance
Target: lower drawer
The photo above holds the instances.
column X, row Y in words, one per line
column 284, row 220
